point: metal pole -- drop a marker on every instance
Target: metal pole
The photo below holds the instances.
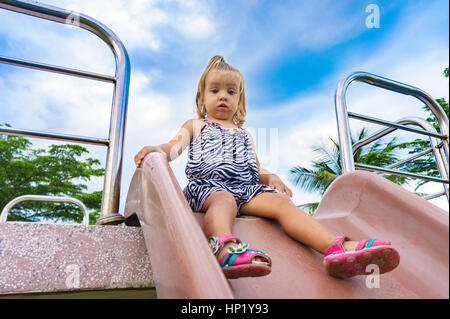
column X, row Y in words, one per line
column 347, row 161
column 56, row 69
column 54, row 136
column 395, row 125
column 401, row 173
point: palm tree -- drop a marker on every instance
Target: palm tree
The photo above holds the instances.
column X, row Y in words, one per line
column 327, row 166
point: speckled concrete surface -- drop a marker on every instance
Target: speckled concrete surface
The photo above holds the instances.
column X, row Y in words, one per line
column 37, row 257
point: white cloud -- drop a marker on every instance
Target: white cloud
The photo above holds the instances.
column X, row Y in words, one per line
column 54, row 43
column 196, row 22
column 139, row 22
column 44, row 101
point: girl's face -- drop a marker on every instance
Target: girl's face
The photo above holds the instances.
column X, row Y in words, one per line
column 221, row 96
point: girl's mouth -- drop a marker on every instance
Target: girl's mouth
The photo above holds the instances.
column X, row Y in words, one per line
column 222, row 106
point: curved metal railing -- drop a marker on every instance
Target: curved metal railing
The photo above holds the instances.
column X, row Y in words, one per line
column 113, row 170
column 439, row 141
column 42, row 198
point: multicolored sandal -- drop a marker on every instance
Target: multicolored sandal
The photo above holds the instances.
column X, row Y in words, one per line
column 345, row 264
column 240, row 261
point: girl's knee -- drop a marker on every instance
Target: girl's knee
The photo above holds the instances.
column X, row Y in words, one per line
column 284, row 206
column 268, row 205
column 282, row 200
column 220, row 200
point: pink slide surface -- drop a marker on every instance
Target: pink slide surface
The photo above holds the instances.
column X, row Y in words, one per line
column 358, row 205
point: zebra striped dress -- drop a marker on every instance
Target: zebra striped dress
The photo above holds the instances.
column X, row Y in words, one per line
column 221, row 159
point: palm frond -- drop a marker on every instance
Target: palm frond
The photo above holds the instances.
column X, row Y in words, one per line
column 303, row 178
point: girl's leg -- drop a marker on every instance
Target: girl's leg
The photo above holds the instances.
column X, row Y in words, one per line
column 307, row 230
column 220, row 210
column 294, row 221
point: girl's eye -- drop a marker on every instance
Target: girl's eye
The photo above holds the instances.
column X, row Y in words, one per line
column 231, row 92
column 214, row 90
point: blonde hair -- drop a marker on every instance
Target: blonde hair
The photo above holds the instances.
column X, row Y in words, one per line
column 218, row 63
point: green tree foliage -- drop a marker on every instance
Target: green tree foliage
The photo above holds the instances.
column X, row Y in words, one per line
column 54, row 172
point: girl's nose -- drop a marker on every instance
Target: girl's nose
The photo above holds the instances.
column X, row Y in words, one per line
column 222, row 95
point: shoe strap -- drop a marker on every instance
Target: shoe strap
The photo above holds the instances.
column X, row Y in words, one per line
column 367, row 243
column 336, row 247
column 230, row 257
column 216, row 243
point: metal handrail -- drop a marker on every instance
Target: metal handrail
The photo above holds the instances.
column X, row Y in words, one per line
column 412, row 157
column 397, row 172
column 395, row 124
column 56, row 69
column 17, row 200
column 342, row 118
column 372, row 79
column 435, row 147
column 113, row 170
column 435, row 195
column 54, row 136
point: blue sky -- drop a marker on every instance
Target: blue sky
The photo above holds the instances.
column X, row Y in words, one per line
column 292, row 55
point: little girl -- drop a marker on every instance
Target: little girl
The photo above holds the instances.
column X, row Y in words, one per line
column 225, row 180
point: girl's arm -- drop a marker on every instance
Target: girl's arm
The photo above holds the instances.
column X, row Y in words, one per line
column 270, row 179
column 175, row 146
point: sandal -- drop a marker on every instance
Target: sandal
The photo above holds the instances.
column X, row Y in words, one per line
column 345, row 264
column 239, row 261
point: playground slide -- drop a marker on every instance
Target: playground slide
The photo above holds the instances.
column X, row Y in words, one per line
column 358, row 204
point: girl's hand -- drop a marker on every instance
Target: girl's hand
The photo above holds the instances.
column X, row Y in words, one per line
column 275, row 182
column 139, row 157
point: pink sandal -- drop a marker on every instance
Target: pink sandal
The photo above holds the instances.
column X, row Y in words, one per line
column 239, row 261
column 345, row 264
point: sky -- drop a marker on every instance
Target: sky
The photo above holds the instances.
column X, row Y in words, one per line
column 292, row 55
